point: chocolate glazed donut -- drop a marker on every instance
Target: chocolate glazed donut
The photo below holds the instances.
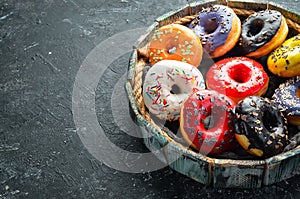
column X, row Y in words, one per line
column 262, row 32
column 260, row 127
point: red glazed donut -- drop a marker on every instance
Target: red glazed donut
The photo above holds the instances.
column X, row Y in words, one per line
column 218, row 28
column 206, row 122
column 237, row 78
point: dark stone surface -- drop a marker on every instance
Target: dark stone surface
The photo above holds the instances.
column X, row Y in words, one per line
column 42, row 45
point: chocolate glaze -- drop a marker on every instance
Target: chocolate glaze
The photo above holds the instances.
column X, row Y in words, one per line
column 262, row 123
column 259, row 28
column 286, row 99
column 212, row 26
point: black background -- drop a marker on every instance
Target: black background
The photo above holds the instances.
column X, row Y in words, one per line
column 42, row 45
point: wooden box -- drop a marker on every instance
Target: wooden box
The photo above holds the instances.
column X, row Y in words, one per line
column 217, row 172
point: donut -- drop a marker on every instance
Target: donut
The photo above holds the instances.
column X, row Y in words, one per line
column 287, row 97
column 175, row 42
column 237, row 78
column 206, row 122
column 260, row 127
column 167, row 84
column 285, row 60
column 262, row 32
column 218, row 28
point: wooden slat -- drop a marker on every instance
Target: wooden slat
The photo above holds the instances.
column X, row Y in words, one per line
column 189, row 163
column 282, row 166
column 238, row 173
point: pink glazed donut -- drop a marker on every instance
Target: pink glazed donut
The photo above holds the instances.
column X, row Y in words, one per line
column 166, row 86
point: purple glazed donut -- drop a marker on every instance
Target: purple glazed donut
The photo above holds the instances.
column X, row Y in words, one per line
column 218, row 28
column 287, row 97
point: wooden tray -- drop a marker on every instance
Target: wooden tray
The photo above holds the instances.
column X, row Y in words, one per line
column 217, row 172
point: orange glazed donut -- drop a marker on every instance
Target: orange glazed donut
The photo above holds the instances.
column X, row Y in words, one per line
column 237, row 78
column 262, row 32
column 218, row 28
column 175, row 42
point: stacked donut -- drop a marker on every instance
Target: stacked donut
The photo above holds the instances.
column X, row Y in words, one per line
column 229, row 106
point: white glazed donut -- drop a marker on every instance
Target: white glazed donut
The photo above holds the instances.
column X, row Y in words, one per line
column 167, row 84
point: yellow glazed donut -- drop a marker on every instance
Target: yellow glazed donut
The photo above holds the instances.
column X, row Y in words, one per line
column 285, row 60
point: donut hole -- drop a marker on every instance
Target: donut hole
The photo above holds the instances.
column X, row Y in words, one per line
column 255, row 27
column 214, row 115
column 170, row 46
column 209, row 122
column 172, row 50
column 240, row 73
column 175, row 89
column 211, row 25
column 269, row 120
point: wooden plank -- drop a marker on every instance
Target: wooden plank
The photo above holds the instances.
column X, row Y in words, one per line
column 189, row 163
column 238, row 173
column 282, row 166
column 248, row 4
column 131, row 66
column 154, row 141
